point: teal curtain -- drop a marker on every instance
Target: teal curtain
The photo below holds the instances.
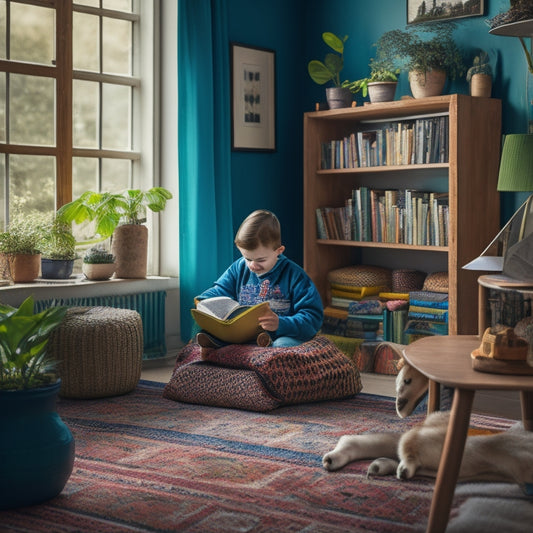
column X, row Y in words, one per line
column 206, row 232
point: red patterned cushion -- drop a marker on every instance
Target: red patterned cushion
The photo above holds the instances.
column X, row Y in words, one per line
column 250, row 377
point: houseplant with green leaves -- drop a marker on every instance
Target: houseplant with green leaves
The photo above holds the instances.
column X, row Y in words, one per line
column 37, row 448
column 120, row 216
column 20, row 255
column 98, row 264
column 479, row 75
column 425, row 51
column 322, row 72
column 58, row 249
column 381, row 84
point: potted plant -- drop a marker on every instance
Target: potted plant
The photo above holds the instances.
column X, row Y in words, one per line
column 479, row 75
column 340, row 95
column 120, row 216
column 98, row 264
column 380, row 86
column 429, row 60
column 58, row 250
column 36, row 448
column 19, row 250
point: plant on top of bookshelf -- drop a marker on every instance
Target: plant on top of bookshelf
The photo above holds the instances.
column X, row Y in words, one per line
column 422, row 56
column 322, row 72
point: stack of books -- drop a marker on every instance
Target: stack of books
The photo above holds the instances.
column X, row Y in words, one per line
column 428, row 314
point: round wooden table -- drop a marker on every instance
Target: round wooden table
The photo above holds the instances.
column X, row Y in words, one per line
column 446, row 360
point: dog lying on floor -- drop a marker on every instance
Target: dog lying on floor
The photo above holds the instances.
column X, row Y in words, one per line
column 505, row 456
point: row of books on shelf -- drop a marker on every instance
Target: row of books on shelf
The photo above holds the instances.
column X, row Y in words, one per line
column 425, row 313
column 403, row 216
column 406, row 142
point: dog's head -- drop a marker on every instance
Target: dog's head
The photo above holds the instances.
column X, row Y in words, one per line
column 411, row 386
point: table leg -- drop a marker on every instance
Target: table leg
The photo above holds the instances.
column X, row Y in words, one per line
column 450, row 462
column 526, row 401
column 433, row 397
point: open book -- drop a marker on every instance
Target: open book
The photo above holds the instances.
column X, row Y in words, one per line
column 229, row 321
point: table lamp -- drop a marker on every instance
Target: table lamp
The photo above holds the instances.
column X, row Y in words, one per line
column 511, row 251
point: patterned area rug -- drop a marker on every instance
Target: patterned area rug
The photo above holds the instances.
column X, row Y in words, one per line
column 144, row 463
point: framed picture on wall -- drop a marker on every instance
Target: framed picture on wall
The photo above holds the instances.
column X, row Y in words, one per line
column 253, row 99
column 428, row 10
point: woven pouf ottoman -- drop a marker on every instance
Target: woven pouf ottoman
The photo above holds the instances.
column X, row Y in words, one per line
column 99, row 351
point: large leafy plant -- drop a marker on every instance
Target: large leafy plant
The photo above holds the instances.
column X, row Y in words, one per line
column 423, row 47
column 108, row 210
column 322, row 72
column 24, row 335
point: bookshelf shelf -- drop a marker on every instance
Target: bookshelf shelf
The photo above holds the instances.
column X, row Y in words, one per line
column 392, row 245
column 469, row 177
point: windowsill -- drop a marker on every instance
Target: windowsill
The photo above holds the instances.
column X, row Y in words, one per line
column 79, row 286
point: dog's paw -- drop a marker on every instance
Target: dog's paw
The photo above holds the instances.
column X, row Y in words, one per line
column 331, row 461
column 405, row 470
column 382, row 466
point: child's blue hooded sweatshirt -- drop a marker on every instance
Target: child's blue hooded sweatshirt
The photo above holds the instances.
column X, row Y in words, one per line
column 287, row 288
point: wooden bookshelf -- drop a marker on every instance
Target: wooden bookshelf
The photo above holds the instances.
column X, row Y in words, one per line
column 469, row 177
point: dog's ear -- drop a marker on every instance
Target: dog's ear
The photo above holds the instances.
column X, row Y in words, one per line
column 400, row 363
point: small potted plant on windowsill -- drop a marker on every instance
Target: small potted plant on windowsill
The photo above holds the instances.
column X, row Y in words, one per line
column 37, row 448
column 20, row 256
column 58, row 250
column 120, row 216
column 98, row 264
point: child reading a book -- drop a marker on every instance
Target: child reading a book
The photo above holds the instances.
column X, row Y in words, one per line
column 264, row 274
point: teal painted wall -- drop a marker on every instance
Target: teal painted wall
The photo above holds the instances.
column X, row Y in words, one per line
column 274, row 180
column 293, row 29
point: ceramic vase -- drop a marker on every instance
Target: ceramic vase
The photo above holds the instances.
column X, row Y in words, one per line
column 36, row 448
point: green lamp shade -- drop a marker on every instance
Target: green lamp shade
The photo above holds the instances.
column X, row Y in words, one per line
column 516, row 165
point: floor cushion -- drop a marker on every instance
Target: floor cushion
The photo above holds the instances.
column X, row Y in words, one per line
column 250, row 377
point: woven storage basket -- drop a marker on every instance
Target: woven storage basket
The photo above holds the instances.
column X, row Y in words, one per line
column 99, row 350
column 362, row 276
column 407, row 280
column 436, row 282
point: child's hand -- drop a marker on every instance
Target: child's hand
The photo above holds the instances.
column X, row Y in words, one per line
column 269, row 321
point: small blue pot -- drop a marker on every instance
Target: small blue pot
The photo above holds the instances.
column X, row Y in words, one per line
column 36, row 448
column 56, row 268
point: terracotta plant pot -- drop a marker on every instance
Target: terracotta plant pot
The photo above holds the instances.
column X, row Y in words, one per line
column 481, row 85
column 382, row 91
column 129, row 245
column 22, row 268
column 426, row 84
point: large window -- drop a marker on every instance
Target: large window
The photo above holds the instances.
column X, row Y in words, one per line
column 72, row 106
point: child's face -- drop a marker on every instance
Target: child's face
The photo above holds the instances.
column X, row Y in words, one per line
column 262, row 259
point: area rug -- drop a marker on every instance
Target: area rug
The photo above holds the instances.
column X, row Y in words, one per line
column 144, row 463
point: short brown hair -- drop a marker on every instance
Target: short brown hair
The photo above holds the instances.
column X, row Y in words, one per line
column 260, row 228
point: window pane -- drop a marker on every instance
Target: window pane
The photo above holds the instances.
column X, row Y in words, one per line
column 32, row 183
column 2, row 190
column 84, row 175
column 31, row 110
column 2, row 107
column 91, row 3
column 85, row 114
column 3, row 30
column 116, row 54
column 117, row 5
column 85, row 42
column 116, row 117
column 32, row 33
column 115, row 174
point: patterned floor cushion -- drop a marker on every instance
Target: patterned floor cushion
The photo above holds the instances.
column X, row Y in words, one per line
column 245, row 376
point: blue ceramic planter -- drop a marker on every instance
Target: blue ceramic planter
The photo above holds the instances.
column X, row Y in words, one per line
column 36, row 447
